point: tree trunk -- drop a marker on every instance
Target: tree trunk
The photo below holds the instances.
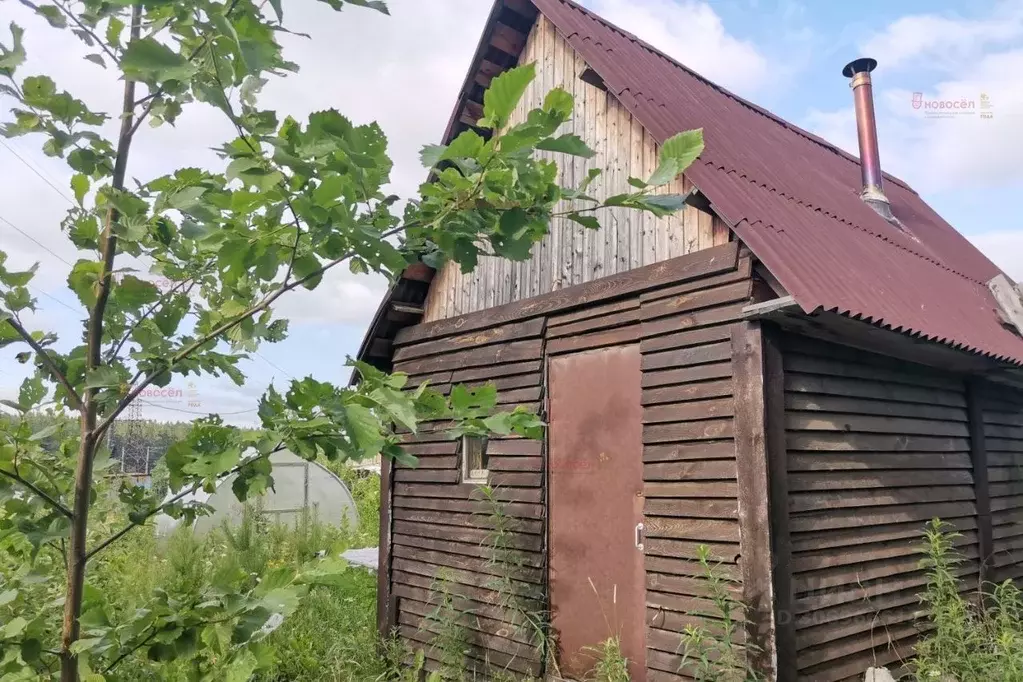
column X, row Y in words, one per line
column 77, row 550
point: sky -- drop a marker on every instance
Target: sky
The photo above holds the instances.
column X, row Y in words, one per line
column 404, row 71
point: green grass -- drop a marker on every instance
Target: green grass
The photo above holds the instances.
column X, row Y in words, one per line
column 332, row 637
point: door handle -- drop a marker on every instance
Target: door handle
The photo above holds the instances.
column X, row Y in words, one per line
column 639, row 536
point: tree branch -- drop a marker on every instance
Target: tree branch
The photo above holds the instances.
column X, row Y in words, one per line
column 89, row 31
column 56, row 504
column 163, row 300
column 48, row 361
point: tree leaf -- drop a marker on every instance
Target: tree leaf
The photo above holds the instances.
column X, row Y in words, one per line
column 103, row 377
column 677, row 153
column 53, row 15
column 83, row 279
column 431, row 154
column 587, row 221
column 567, row 144
column 13, row 57
column 278, row 10
column 468, row 144
column 663, row 204
column 114, row 28
column 80, row 186
column 503, row 95
column 558, row 101
column 148, row 59
column 96, row 59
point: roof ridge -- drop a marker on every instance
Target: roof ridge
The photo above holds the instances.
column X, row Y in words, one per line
column 845, row 221
column 728, row 93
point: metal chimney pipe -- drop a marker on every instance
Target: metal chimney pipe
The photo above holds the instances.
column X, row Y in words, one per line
column 866, row 132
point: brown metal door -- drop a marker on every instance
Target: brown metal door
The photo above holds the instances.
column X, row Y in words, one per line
column 597, row 584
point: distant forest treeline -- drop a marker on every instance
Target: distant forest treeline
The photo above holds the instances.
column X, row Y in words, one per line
column 136, row 437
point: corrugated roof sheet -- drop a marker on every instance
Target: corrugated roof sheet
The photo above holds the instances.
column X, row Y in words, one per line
column 794, row 200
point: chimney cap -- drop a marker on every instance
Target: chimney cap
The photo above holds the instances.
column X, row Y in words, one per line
column 861, row 65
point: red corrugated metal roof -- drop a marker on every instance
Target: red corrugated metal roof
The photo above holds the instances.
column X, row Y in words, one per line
column 794, row 200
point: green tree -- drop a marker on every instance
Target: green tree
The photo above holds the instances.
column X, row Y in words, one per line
column 293, row 200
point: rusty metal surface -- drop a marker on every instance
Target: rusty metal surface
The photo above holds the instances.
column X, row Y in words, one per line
column 866, row 123
column 794, row 200
column 597, row 582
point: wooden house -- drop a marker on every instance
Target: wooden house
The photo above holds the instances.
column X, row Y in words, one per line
column 799, row 370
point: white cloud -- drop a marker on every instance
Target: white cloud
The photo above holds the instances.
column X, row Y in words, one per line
column 941, row 154
column 693, row 33
column 944, row 41
column 403, row 71
column 369, row 66
column 1004, row 248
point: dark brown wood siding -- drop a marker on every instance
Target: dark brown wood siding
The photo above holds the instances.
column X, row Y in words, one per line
column 691, row 485
column 1003, row 435
column 440, row 526
column 681, row 312
column 875, row 449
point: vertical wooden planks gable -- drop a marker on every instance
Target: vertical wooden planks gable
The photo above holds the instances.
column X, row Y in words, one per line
column 571, row 254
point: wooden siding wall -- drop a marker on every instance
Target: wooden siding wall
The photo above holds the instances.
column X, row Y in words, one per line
column 440, row 526
column 681, row 313
column 1003, row 436
column 571, row 254
column 875, row 449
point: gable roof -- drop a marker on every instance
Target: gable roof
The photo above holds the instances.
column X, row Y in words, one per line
column 790, row 196
column 794, row 200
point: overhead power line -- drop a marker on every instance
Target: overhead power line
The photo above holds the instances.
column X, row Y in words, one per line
column 37, row 172
column 38, row 243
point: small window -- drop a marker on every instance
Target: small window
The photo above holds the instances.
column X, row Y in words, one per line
column 474, row 459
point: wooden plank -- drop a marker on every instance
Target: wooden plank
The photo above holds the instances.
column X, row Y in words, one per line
column 839, row 442
column 863, row 479
column 981, row 486
column 494, row 371
column 864, row 461
column 487, row 356
column 693, row 266
column 466, row 491
column 830, row 365
column 484, row 337
column 861, row 388
column 697, row 300
column 610, row 320
column 683, row 490
column 695, row 508
column 707, row 429
column 556, row 321
column 710, row 530
column 467, row 563
column 386, row 604
column 685, row 338
column 531, row 559
column 717, row 370
column 742, row 272
column 831, row 403
column 697, row 409
column 613, row 337
column 751, row 458
column 705, row 470
column 684, row 357
column 860, row 517
column 687, row 451
column 523, row 541
column 778, row 500
column 701, row 390
column 837, row 421
column 810, row 501
column 688, row 321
